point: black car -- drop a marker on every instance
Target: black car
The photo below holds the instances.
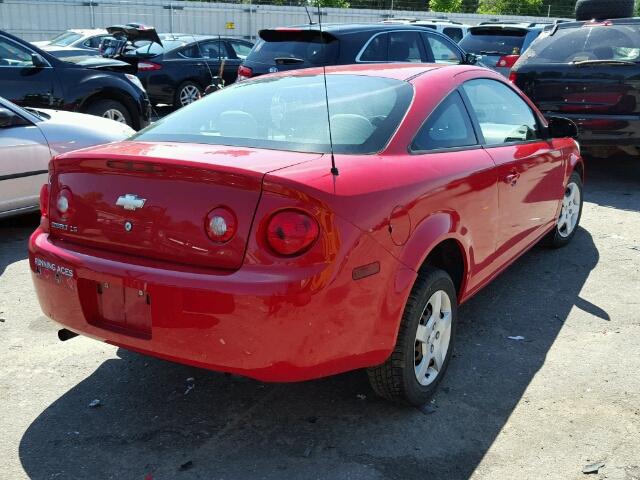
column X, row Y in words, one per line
column 108, row 88
column 338, row 44
column 176, row 68
column 588, row 72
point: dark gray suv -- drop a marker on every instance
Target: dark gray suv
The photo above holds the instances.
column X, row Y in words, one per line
column 307, row 46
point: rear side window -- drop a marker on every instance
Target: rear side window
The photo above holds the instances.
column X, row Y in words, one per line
column 448, row 126
column 494, row 41
column 441, row 50
column 241, row 49
column 394, row 47
column 612, row 42
column 503, row 116
column 307, row 47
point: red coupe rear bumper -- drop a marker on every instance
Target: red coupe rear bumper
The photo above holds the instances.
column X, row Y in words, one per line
column 282, row 325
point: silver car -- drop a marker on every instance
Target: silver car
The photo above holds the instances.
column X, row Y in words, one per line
column 30, row 138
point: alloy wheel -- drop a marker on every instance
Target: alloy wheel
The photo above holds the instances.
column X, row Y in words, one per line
column 570, row 211
column 433, row 338
column 114, row 114
column 189, row 94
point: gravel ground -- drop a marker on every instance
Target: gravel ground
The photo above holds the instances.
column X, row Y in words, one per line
column 566, row 396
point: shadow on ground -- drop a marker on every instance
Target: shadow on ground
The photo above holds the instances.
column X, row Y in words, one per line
column 233, row 428
column 616, row 182
column 14, row 235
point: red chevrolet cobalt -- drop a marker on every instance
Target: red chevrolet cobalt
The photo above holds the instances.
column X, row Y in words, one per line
column 223, row 237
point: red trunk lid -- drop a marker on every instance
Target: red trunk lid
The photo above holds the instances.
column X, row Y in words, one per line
column 179, row 183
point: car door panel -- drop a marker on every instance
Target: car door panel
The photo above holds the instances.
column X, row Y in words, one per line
column 22, row 82
column 458, row 202
column 529, row 168
column 24, row 159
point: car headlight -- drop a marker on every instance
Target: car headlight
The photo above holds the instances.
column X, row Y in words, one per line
column 135, row 80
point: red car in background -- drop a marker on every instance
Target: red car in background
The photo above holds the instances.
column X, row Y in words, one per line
column 220, row 237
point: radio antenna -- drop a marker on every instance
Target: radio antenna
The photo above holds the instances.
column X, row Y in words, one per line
column 334, row 169
column 308, row 14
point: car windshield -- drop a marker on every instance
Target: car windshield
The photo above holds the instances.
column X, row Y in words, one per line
column 494, row 41
column 310, row 51
column 585, row 44
column 65, row 39
column 290, row 113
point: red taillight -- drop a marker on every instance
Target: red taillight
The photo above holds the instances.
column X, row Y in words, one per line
column 148, row 66
column 291, row 232
column 507, row 61
column 244, row 73
column 513, row 76
column 44, row 200
column 221, row 225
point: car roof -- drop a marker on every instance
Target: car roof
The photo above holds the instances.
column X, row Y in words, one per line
column 358, row 27
column 88, row 31
column 613, row 21
column 397, row 71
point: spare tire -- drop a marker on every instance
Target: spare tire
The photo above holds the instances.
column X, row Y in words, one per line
column 604, row 9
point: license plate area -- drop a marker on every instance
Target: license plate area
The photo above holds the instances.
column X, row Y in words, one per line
column 116, row 307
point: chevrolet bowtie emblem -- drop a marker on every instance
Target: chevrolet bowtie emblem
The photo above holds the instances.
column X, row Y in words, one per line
column 130, row 201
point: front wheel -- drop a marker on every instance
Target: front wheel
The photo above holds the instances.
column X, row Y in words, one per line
column 424, row 345
column 111, row 109
column 570, row 214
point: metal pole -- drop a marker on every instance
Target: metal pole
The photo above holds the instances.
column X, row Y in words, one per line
column 93, row 14
column 170, row 17
column 549, row 11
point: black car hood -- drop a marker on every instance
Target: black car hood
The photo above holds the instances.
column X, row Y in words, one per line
column 101, row 63
column 135, row 33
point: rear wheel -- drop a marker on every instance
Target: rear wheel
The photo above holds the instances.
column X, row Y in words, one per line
column 187, row 93
column 111, row 109
column 603, row 9
column 570, row 214
column 424, row 345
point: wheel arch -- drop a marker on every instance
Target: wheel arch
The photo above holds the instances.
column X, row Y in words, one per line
column 436, row 242
column 113, row 94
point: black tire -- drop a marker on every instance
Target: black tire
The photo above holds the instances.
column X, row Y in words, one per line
column 555, row 238
column 396, row 379
column 177, row 102
column 100, row 108
column 604, row 9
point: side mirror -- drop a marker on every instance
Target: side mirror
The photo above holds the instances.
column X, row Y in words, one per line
column 7, row 118
column 38, row 61
column 560, row 127
column 470, row 59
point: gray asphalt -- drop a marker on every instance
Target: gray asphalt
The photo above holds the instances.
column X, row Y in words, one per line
column 566, row 396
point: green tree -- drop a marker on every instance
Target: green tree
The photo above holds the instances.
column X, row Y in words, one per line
column 445, row 5
column 512, row 7
column 331, row 3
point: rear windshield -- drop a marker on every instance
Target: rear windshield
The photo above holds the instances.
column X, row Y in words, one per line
column 493, row 41
column 290, row 113
column 310, row 49
column 612, row 42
